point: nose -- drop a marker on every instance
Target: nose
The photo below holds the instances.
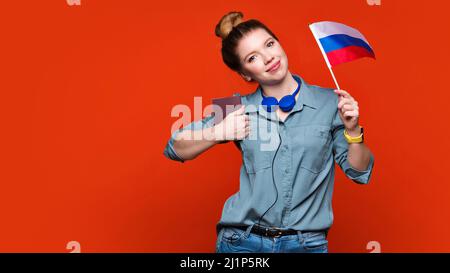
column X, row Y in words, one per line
column 267, row 59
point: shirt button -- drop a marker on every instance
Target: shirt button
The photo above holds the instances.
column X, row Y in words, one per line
column 286, row 170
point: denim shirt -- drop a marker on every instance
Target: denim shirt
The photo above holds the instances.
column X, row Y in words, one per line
column 287, row 166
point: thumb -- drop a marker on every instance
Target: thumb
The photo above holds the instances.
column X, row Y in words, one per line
column 240, row 110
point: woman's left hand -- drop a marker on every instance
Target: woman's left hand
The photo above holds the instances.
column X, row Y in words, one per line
column 348, row 110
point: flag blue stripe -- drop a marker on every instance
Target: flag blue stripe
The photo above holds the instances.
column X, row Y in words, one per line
column 338, row 41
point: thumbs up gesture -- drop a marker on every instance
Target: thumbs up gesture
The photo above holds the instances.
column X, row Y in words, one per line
column 234, row 127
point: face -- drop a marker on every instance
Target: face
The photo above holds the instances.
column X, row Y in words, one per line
column 258, row 52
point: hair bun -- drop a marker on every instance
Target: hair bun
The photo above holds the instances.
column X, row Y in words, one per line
column 227, row 22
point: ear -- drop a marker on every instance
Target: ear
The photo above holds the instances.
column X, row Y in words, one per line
column 245, row 77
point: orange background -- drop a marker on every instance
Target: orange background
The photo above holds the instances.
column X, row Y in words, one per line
column 86, row 97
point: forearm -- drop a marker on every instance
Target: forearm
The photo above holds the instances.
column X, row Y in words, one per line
column 189, row 144
column 358, row 153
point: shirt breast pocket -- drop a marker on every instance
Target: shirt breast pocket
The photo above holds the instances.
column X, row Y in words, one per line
column 255, row 159
column 314, row 146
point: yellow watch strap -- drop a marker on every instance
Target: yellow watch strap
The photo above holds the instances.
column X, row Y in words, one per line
column 351, row 139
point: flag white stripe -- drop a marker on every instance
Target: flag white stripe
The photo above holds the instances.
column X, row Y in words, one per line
column 327, row 28
column 320, row 46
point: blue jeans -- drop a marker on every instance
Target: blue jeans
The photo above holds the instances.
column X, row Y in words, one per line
column 235, row 240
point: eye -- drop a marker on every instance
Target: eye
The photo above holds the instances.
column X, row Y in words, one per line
column 271, row 43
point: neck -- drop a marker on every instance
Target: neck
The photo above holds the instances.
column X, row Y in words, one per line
column 282, row 88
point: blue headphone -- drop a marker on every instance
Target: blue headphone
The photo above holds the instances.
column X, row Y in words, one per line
column 286, row 103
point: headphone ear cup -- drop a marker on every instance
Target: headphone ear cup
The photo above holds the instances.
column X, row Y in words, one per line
column 269, row 103
column 287, row 103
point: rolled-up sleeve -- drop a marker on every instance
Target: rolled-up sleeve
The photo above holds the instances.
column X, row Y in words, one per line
column 169, row 151
column 340, row 152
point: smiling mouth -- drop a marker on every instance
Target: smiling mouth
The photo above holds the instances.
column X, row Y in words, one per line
column 274, row 67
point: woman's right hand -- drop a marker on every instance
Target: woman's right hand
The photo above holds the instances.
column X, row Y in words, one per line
column 235, row 126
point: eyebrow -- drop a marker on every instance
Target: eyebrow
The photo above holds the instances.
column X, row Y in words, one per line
column 255, row 51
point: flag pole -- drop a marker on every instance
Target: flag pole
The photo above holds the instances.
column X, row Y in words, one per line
column 312, row 28
column 334, row 78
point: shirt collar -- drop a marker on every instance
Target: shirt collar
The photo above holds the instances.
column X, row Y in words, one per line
column 305, row 97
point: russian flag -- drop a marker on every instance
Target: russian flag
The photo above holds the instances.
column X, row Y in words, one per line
column 340, row 43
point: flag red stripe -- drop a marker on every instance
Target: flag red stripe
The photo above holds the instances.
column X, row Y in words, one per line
column 348, row 54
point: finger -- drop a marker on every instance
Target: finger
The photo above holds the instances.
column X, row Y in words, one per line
column 344, row 101
column 353, row 113
column 247, row 131
column 348, row 107
column 240, row 110
column 241, row 119
column 343, row 93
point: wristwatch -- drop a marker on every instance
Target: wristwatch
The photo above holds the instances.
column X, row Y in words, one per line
column 358, row 139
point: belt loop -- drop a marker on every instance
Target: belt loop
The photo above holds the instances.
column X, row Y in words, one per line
column 300, row 234
column 249, row 229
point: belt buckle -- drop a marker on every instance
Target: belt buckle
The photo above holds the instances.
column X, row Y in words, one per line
column 278, row 234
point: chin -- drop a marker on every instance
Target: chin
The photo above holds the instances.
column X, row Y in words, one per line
column 281, row 74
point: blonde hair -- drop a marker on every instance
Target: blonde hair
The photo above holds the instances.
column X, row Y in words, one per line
column 227, row 23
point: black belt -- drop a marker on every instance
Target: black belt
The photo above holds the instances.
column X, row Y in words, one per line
column 270, row 232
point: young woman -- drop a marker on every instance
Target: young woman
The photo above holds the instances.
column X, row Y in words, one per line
column 290, row 134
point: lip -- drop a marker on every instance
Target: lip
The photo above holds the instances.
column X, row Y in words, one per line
column 274, row 67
